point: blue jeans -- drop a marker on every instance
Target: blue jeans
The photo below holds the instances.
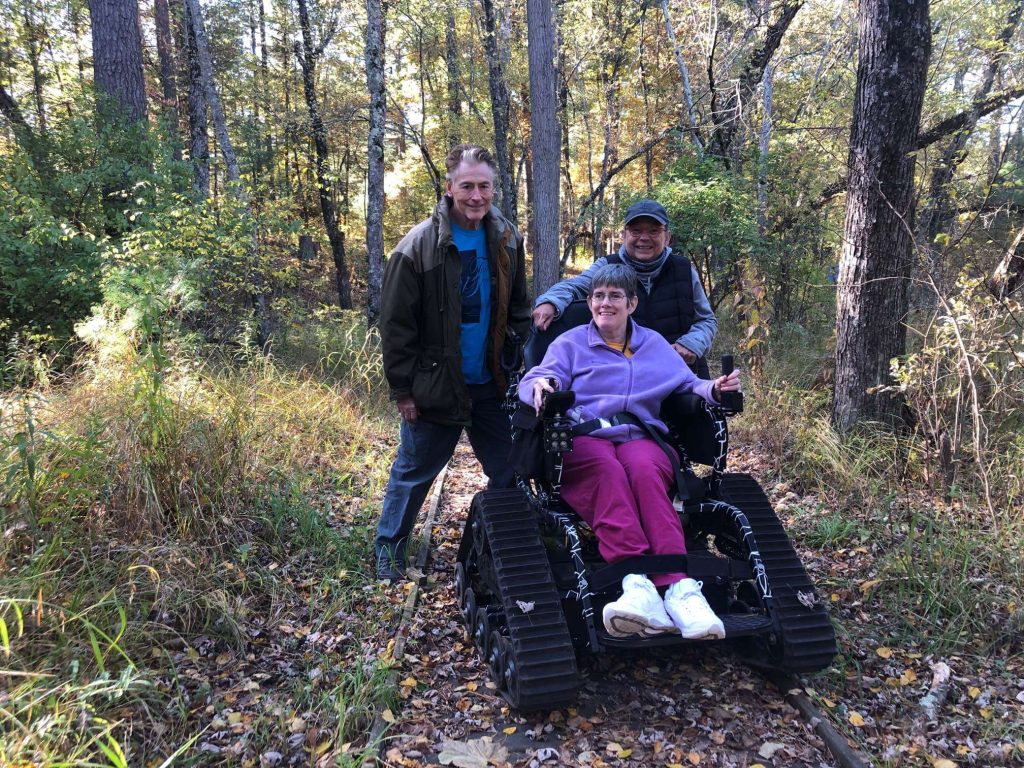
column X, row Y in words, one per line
column 424, row 449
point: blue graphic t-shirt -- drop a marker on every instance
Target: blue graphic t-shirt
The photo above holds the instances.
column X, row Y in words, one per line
column 476, row 302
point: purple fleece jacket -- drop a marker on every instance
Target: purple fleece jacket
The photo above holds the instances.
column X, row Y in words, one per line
column 606, row 382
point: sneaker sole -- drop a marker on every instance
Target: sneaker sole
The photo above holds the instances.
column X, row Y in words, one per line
column 630, row 625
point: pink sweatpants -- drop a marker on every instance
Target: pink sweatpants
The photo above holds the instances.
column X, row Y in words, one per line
column 621, row 490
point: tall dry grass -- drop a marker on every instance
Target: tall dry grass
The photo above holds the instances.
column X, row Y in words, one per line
column 132, row 490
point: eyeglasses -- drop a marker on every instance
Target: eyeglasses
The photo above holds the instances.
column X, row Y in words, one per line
column 615, row 297
column 644, row 231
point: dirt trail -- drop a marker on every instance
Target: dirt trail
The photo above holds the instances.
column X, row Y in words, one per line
column 692, row 706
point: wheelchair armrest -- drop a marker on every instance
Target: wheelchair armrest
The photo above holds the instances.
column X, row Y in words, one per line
column 677, row 406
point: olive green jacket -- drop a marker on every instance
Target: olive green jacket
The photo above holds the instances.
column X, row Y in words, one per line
column 421, row 313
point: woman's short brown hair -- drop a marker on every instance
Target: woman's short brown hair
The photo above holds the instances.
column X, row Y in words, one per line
column 621, row 276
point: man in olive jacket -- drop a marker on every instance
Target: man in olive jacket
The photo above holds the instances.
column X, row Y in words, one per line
column 454, row 294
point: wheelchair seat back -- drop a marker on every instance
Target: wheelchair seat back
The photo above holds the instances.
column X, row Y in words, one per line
column 577, row 313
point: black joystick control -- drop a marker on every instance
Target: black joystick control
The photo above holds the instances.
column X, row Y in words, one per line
column 731, row 401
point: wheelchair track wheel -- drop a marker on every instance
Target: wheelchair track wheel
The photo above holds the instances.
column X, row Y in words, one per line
column 804, row 639
column 517, row 622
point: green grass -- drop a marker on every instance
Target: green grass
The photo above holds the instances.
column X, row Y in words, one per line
column 955, row 587
column 834, row 530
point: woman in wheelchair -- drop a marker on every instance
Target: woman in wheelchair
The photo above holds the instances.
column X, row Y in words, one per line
column 616, row 477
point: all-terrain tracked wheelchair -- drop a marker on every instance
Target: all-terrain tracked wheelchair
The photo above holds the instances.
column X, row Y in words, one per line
column 531, row 583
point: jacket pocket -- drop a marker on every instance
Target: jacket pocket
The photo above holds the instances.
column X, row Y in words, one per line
column 432, row 388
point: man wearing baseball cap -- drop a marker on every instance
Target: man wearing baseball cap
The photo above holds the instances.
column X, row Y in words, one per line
column 671, row 298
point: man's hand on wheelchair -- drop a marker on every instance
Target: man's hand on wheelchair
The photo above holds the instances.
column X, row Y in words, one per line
column 541, row 387
column 687, row 355
column 727, row 383
column 543, row 314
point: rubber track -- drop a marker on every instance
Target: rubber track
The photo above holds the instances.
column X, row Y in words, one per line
column 808, row 638
column 539, row 636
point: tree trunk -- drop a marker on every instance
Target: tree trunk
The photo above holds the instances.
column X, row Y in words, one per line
column 165, row 54
column 451, row 58
column 26, row 137
column 871, row 306
column 499, row 111
column 198, row 121
column 684, row 76
column 545, row 143
column 307, row 57
column 220, row 124
column 729, row 119
column 117, row 56
column 34, row 34
column 375, row 156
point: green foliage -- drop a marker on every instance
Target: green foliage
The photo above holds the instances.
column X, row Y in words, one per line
column 49, row 268
column 711, row 211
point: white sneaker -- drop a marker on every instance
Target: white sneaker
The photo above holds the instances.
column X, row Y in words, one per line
column 640, row 610
column 691, row 613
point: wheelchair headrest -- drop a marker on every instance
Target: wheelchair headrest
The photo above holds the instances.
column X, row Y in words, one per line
column 577, row 313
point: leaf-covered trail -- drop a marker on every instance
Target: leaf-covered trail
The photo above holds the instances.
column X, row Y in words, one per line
column 697, row 706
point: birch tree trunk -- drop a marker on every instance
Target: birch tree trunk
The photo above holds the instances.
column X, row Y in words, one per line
column 375, row 156
column 684, row 76
column 220, row 124
column 545, row 144
column 307, row 56
column 871, row 306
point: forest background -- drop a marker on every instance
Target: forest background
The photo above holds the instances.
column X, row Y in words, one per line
column 195, row 206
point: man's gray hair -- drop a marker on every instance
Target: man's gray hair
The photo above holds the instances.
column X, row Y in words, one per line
column 621, row 276
column 468, row 153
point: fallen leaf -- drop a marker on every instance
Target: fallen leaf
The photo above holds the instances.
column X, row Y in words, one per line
column 867, row 586
column 909, row 676
column 525, row 606
column 885, row 653
column 477, row 753
column 410, row 682
column 974, row 692
column 941, row 762
column 856, row 719
column 387, row 716
column 234, row 718
column 694, row 758
column 768, row 749
column 509, row 731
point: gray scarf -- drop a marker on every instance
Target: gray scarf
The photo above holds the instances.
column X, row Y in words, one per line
column 646, row 271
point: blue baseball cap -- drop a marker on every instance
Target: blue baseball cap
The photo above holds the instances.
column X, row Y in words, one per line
column 648, row 209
